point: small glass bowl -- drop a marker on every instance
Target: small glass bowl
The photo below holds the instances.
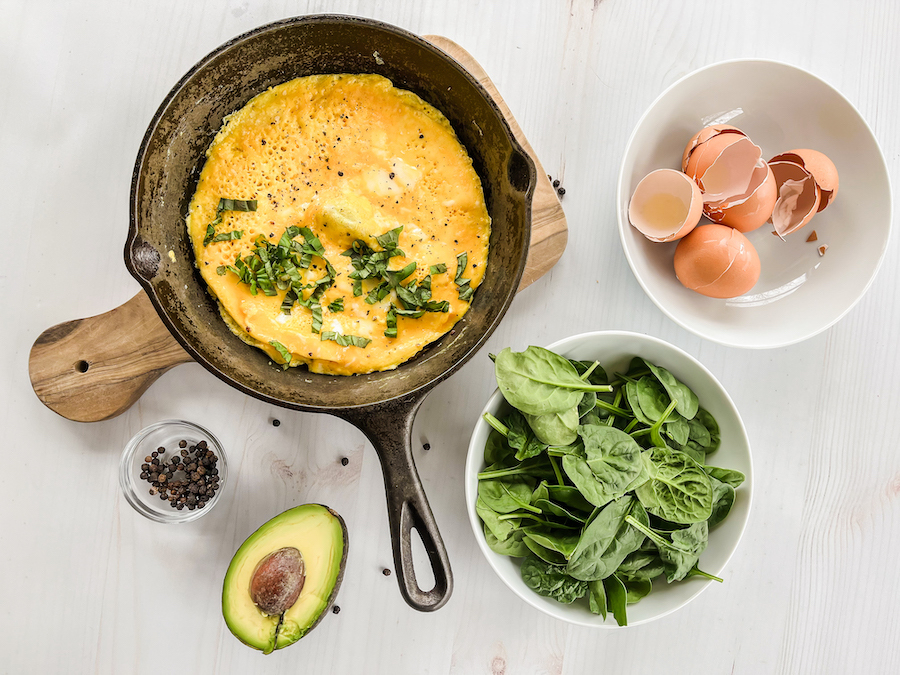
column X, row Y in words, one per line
column 166, row 434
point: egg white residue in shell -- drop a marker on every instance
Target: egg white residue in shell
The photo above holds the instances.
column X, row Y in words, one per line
column 666, row 205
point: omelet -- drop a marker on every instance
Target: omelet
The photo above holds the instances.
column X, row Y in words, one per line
column 339, row 223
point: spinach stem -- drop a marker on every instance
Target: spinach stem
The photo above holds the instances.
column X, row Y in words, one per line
column 617, row 401
column 697, row 572
column 631, row 425
column 496, row 424
column 590, row 370
column 615, row 410
column 559, row 478
column 499, row 473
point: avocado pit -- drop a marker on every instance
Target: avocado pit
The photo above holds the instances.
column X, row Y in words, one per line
column 277, row 581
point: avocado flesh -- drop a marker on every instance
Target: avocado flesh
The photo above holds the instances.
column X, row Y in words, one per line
column 321, row 537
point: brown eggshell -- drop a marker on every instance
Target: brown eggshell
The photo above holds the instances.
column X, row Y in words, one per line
column 684, row 195
column 751, row 210
column 822, row 169
column 717, row 261
column 704, row 135
column 793, row 211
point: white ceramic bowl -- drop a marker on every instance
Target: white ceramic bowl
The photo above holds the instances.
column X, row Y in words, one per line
column 614, row 350
column 780, row 107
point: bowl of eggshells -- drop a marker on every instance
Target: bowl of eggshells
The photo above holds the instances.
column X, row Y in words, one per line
column 754, row 204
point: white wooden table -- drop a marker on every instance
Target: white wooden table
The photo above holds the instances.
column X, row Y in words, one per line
column 88, row 585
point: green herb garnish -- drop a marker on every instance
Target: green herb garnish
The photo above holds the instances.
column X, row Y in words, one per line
column 227, row 205
column 283, row 351
column 346, row 340
column 336, row 306
column 462, row 285
column 440, row 268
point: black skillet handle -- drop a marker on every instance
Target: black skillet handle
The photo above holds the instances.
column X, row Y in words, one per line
column 389, row 428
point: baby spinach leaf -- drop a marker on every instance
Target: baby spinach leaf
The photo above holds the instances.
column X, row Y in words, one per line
column 597, row 601
column 607, row 540
column 678, row 489
column 499, row 528
column 505, row 495
column 723, row 500
column 564, row 544
column 570, row 496
column 686, row 400
column 712, row 427
column 616, row 598
column 636, row 589
column 730, row 476
column 551, row 581
column 539, row 382
column 578, row 471
column 681, row 550
column 612, row 455
column 546, row 506
column 512, row 546
column 555, row 428
column 544, row 553
column 588, row 403
column 497, row 449
column 644, row 563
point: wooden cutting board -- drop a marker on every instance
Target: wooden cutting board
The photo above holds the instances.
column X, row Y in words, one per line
column 91, row 369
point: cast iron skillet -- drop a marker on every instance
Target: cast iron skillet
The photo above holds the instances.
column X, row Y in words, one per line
column 382, row 405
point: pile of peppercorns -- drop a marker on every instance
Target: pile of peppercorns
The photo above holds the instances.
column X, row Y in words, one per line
column 189, row 478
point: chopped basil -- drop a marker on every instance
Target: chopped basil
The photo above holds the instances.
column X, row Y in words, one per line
column 221, row 270
column 283, row 351
column 440, row 268
column 227, row 205
column 462, row 285
column 316, row 318
column 336, row 306
column 346, row 340
column 391, row 321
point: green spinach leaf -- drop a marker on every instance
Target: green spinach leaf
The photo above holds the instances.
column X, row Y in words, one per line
column 678, row 489
column 607, row 540
column 539, row 382
column 551, row 581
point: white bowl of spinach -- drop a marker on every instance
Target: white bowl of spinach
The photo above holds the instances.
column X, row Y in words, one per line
column 609, row 478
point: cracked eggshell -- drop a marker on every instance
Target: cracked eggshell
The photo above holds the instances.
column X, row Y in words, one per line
column 798, row 196
column 666, row 205
column 723, row 166
column 717, row 261
column 703, row 136
column 823, row 171
column 750, row 210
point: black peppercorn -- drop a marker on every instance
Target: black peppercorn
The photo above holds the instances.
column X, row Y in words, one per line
column 561, row 191
column 344, row 461
column 386, row 572
column 335, row 610
column 276, row 423
column 182, row 444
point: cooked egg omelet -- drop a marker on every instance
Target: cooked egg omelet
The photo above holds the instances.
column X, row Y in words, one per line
column 296, row 223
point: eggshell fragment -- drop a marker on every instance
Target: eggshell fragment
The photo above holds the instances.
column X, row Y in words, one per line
column 665, row 206
column 798, row 197
column 822, row 169
column 752, row 209
column 717, row 261
column 703, row 136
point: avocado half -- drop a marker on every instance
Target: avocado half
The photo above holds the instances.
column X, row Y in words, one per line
column 320, row 535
